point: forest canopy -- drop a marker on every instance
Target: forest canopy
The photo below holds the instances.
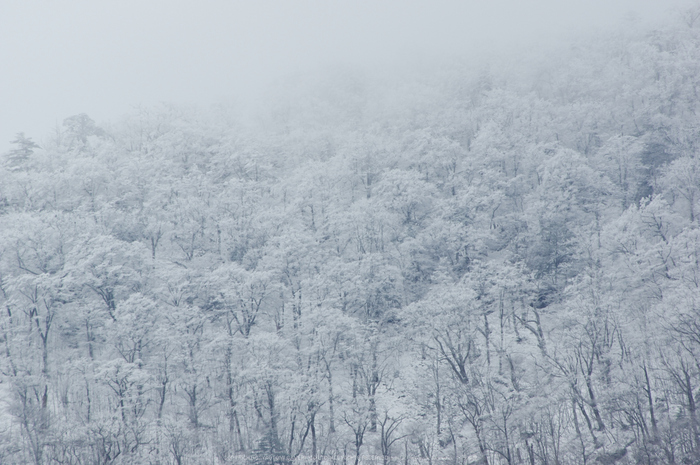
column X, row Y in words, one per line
column 493, row 265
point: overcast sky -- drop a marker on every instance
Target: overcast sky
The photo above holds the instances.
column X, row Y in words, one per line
column 103, row 57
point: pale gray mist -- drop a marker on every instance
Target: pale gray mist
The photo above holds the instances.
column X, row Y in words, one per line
column 105, row 57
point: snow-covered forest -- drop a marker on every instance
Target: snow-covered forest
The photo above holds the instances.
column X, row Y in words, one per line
column 476, row 265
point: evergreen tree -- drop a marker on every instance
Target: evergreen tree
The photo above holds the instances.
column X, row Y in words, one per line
column 16, row 158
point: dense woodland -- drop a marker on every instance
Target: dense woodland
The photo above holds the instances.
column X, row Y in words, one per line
column 479, row 264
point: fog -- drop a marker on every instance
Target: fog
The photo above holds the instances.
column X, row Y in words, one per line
column 104, row 58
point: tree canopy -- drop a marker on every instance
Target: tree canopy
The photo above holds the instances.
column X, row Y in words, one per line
column 478, row 267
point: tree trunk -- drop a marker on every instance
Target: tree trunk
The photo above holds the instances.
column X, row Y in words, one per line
column 331, row 409
column 654, row 427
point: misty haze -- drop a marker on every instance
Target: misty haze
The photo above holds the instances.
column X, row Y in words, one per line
column 308, row 232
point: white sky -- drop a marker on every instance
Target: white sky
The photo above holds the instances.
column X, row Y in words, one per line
column 103, row 57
